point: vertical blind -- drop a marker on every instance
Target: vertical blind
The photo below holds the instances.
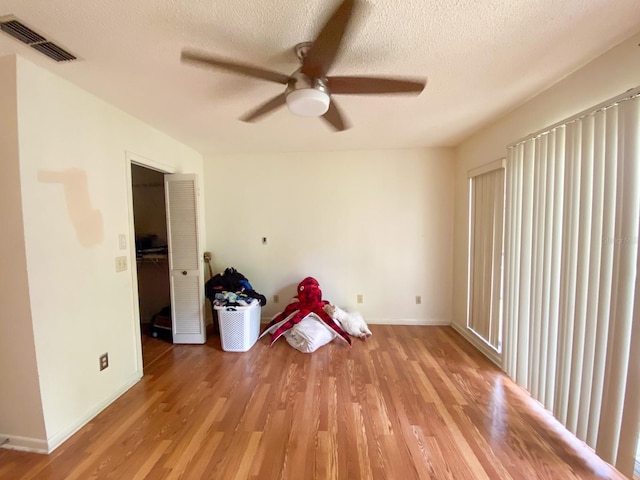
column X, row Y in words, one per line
column 485, row 255
column 571, row 301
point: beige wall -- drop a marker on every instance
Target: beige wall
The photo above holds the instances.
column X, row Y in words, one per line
column 605, row 77
column 20, row 405
column 75, row 182
column 376, row 223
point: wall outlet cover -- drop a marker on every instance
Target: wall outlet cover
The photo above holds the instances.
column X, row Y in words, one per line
column 104, row 361
column 121, row 264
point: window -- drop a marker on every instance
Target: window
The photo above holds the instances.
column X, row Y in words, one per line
column 486, row 218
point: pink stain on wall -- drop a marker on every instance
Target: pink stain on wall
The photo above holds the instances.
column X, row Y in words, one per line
column 86, row 220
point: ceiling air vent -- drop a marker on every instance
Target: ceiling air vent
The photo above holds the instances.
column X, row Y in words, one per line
column 18, row 30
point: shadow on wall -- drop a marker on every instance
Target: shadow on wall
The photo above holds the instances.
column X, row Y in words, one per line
column 86, row 220
column 285, row 297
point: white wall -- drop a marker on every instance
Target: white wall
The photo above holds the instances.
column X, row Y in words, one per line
column 20, row 406
column 607, row 76
column 75, row 186
column 376, row 223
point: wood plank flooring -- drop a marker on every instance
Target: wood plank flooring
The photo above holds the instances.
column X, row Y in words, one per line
column 408, row 403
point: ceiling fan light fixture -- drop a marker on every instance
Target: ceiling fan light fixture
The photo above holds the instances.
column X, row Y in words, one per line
column 308, row 102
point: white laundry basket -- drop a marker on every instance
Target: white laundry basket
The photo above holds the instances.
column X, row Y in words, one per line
column 239, row 327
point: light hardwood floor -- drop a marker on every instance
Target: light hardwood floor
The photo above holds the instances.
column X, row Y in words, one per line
column 408, row 403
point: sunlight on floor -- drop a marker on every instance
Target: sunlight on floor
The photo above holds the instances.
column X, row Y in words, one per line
column 636, row 472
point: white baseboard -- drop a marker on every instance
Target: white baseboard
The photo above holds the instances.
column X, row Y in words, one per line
column 59, row 438
column 394, row 321
column 23, row 444
column 409, row 321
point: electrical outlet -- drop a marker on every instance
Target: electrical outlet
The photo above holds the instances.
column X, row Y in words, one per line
column 359, row 298
column 276, row 299
column 418, row 299
column 121, row 264
column 104, row 361
column 122, row 241
column 264, row 240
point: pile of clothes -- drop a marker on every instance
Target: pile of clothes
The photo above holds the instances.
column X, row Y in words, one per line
column 232, row 289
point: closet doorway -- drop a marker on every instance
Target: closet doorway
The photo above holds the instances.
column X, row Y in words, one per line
column 151, row 246
column 168, row 281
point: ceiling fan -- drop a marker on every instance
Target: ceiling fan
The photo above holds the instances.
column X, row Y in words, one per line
column 309, row 90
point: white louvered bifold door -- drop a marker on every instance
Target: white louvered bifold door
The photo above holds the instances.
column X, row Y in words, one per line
column 181, row 192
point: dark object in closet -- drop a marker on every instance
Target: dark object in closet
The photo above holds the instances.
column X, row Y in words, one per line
column 145, row 241
column 161, row 324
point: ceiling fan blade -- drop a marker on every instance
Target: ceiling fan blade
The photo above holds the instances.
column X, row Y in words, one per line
column 322, row 53
column 369, row 85
column 267, row 107
column 230, row 65
column 335, row 118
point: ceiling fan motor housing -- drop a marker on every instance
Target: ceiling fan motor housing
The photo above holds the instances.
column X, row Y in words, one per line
column 307, row 97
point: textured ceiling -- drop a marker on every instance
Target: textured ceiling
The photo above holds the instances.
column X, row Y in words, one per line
column 482, row 58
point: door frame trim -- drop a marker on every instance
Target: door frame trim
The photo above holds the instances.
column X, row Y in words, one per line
column 132, row 158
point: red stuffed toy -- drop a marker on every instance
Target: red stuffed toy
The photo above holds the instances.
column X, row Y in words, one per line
column 309, row 300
